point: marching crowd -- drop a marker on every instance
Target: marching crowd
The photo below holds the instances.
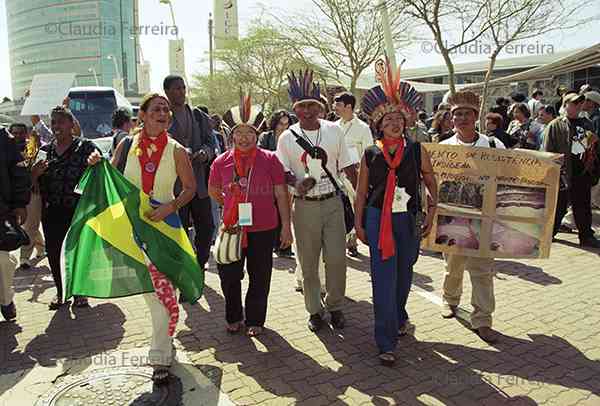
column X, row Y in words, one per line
column 334, row 172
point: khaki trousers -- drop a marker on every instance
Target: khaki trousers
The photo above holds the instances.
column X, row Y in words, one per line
column 319, row 226
column 8, row 264
column 161, row 348
column 32, row 228
column 482, row 286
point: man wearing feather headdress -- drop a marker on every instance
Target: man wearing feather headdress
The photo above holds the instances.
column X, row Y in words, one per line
column 464, row 106
column 318, row 210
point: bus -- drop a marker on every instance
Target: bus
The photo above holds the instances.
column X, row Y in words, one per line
column 93, row 106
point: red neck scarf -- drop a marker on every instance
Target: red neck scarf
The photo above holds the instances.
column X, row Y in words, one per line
column 150, row 152
column 244, row 161
column 386, row 236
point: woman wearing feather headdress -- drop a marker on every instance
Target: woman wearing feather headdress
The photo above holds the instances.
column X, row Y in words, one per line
column 248, row 181
column 388, row 204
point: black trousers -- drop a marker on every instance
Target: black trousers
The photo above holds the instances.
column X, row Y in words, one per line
column 259, row 263
column 199, row 211
column 580, row 197
column 56, row 221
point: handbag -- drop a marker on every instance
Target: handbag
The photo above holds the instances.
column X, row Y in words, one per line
column 12, row 236
column 348, row 211
column 229, row 245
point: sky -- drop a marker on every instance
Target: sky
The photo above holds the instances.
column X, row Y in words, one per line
column 191, row 17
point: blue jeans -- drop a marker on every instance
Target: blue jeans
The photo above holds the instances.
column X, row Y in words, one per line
column 391, row 278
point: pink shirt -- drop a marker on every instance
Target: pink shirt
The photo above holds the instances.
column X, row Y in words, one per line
column 266, row 173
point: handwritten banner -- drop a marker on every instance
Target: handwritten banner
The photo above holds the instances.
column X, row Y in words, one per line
column 493, row 203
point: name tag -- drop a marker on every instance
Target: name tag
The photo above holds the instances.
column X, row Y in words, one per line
column 401, row 198
column 245, row 214
column 314, row 167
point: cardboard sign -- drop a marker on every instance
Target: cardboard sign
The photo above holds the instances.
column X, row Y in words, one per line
column 47, row 91
column 493, row 203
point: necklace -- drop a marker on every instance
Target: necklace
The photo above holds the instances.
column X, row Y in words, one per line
column 317, row 141
column 467, row 144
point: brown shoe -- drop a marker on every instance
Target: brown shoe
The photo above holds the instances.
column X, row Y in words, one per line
column 449, row 311
column 487, row 334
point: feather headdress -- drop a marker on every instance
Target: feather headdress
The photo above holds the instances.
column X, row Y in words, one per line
column 302, row 87
column 244, row 114
column 392, row 95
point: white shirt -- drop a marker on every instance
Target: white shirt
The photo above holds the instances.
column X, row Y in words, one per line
column 534, row 106
column 357, row 135
column 329, row 137
column 482, row 141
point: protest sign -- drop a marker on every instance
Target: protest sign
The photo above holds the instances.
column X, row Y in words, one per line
column 493, row 203
column 47, row 91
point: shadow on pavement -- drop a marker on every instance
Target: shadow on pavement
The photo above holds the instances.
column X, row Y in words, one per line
column 528, row 273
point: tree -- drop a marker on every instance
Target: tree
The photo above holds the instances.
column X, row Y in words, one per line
column 452, row 23
column 258, row 63
column 512, row 21
column 219, row 92
column 345, row 36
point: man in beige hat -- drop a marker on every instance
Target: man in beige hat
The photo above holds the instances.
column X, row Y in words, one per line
column 465, row 112
column 573, row 137
column 592, row 107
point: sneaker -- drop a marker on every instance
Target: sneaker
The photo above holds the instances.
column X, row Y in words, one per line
column 590, row 242
column 9, row 312
column 404, row 328
column 353, row 252
column 337, row 319
column 449, row 311
column 315, row 322
column 25, row 265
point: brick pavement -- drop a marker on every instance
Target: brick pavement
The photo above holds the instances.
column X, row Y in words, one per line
column 547, row 310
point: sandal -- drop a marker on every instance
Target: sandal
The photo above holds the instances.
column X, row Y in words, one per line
column 160, row 375
column 387, row 359
column 234, row 328
column 81, row 301
column 56, row 303
column 254, row 331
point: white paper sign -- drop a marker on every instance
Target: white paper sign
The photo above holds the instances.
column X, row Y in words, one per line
column 245, row 214
column 314, row 168
column 401, row 198
column 47, row 91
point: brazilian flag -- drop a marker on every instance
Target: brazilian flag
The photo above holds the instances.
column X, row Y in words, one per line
column 110, row 242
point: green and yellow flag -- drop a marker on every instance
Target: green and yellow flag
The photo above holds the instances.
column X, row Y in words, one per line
column 102, row 253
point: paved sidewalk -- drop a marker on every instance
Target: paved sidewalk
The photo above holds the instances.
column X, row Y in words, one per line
column 547, row 310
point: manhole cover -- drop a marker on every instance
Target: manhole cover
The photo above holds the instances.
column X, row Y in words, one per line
column 114, row 386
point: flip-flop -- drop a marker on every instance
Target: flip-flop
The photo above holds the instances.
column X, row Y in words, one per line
column 254, row 331
column 387, row 358
column 234, row 328
column 160, row 375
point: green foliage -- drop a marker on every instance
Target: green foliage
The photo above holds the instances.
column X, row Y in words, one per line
column 258, row 63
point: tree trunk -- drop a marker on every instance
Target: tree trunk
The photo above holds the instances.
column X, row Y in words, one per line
column 450, row 66
column 484, row 93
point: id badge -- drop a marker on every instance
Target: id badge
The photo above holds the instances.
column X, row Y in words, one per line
column 245, row 214
column 314, row 168
column 401, row 198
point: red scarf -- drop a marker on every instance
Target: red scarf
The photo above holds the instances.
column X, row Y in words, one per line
column 150, row 153
column 244, row 161
column 386, row 236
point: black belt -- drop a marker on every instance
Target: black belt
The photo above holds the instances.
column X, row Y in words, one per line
column 316, row 198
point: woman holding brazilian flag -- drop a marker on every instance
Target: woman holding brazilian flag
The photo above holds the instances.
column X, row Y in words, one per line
column 126, row 237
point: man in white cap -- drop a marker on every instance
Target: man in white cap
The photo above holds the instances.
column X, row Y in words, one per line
column 573, row 137
column 465, row 112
